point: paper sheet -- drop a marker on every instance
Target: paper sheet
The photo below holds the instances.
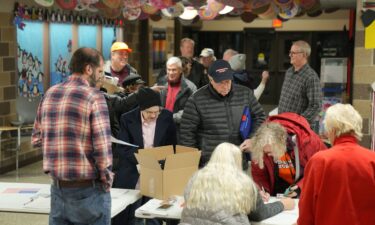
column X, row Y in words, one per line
column 117, row 141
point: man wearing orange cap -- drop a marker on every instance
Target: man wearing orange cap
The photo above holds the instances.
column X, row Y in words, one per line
column 118, row 66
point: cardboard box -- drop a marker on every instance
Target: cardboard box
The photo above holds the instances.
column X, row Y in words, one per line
column 161, row 183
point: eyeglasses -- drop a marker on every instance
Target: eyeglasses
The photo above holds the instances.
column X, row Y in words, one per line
column 293, row 53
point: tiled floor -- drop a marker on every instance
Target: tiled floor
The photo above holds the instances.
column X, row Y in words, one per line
column 29, row 174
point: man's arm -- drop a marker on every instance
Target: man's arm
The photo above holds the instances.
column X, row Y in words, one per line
column 314, row 96
column 125, row 135
column 101, row 139
column 189, row 125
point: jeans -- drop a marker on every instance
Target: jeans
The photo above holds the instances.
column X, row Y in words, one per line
column 79, row 206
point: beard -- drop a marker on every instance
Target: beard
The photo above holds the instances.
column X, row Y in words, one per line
column 92, row 80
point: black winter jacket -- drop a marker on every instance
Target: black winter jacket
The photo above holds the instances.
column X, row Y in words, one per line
column 210, row 119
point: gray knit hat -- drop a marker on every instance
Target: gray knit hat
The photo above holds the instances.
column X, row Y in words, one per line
column 238, row 62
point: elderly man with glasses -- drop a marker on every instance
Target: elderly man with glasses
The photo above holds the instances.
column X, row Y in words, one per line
column 146, row 126
column 301, row 91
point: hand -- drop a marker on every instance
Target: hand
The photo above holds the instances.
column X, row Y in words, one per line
column 158, row 88
column 288, row 203
column 246, row 145
column 265, row 195
column 265, row 76
column 292, row 191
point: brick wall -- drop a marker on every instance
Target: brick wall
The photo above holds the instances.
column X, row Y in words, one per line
column 8, row 94
column 363, row 76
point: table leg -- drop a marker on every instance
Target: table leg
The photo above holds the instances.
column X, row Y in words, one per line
column 18, row 148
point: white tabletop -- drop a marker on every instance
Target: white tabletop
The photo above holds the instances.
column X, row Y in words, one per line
column 286, row 217
column 151, row 210
column 35, row 198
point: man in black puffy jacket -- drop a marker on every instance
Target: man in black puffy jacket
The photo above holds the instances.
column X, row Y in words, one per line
column 213, row 114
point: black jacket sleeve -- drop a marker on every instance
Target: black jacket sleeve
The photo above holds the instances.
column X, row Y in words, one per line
column 264, row 211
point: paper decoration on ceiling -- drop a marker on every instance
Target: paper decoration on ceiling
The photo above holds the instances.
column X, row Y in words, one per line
column 169, row 9
column 67, row 4
column 173, row 11
column 45, row 3
column 148, row 8
column 205, row 14
column 131, row 14
column 113, row 4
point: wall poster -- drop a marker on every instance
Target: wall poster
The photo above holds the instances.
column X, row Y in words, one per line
column 108, row 37
column 60, row 51
column 87, row 36
column 30, row 59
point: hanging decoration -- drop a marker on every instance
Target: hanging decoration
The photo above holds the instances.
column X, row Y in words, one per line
column 81, row 14
column 116, row 12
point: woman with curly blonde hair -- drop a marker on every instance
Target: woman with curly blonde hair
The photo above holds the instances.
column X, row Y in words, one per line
column 221, row 193
column 280, row 150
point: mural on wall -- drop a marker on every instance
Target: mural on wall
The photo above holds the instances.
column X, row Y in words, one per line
column 60, row 51
column 30, row 59
column 87, row 36
column 108, row 37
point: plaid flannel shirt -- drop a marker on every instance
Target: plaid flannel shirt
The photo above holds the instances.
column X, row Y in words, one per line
column 72, row 127
column 301, row 93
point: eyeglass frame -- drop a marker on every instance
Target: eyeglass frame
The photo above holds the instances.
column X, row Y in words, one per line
column 294, row 53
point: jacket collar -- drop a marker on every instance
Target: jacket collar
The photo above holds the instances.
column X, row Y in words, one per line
column 215, row 94
column 346, row 138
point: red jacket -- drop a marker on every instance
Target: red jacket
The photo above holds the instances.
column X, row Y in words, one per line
column 339, row 186
column 308, row 144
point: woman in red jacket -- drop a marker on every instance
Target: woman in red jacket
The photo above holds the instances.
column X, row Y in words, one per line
column 280, row 150
column 340, row 182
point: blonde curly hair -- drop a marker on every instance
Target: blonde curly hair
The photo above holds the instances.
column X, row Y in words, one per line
column 272, row 134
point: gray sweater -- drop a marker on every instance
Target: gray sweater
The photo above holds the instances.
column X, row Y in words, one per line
column 199, row 217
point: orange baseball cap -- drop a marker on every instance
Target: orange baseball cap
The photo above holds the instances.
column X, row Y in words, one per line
column 117, row 46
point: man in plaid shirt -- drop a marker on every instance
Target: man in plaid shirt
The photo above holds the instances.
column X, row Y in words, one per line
column 72, row 127
column 301, row 92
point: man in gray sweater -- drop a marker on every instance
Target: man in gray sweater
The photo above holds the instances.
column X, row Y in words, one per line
column 213, row 114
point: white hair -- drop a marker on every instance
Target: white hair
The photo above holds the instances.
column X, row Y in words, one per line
column 343, row 119
column 222, row 185
column 174, row 61
column 186, row 40
column 229, row 53
column 304, row 47
column 272, row 134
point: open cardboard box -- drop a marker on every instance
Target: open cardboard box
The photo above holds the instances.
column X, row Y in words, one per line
column 161, row 183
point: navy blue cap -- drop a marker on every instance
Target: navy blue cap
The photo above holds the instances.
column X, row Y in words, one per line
column 220, row 70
